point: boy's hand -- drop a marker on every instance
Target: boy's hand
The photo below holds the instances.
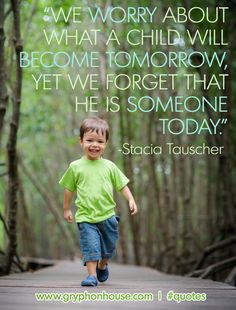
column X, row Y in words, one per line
column 132, row 206
column 68, row 216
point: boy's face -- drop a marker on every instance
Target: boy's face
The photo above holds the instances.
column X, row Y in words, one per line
column 93, row 144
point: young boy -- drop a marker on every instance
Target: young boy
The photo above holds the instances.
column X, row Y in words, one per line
column 93, row 178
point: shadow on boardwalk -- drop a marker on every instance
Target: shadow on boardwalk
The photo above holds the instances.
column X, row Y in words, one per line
column 17, row 291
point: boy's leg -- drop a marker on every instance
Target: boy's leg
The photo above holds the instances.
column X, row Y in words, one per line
column 89, row 242
column 91, row 249
column 102, row 270
column 91, row 268
column 109, row 235
column 102, row 263
column 91, row 279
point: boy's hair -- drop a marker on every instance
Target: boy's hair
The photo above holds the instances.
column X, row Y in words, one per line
column 94, row 124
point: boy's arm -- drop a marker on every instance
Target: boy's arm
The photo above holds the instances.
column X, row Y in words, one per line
column 68, row 195
column 128, row 195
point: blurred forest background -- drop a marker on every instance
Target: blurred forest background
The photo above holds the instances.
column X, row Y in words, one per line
column 187, row 204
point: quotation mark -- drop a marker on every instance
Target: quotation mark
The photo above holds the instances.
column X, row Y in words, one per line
column 223, row 122
column 47, row 9
column 46, row 16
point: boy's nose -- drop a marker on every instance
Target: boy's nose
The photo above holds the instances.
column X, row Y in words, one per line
column 94, row 143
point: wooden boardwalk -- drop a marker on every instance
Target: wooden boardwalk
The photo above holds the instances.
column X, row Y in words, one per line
column 17, row 291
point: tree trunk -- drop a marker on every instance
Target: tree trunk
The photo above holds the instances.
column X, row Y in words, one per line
column 225, row 165
column 25, row 228
column 175, row 206
column 210, row 198
column 12, row 141
column 129, row 172
column 123, row 235
column 3, row 90
column 154, row 210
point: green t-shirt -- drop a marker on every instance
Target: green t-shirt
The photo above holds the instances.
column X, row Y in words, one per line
column 93, row 180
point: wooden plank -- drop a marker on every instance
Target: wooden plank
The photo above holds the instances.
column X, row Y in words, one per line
column 17, row 291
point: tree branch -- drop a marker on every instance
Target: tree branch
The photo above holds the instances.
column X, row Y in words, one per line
column 227, row 263
column 212, row 248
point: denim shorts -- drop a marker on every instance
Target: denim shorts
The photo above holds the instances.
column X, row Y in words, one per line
column 98, row 241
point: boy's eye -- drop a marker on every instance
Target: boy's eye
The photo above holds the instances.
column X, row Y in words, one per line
column 100, row 141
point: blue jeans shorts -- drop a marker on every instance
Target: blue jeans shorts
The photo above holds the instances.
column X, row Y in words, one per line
column 98, row 241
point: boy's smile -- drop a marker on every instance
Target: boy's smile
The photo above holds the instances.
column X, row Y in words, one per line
column 93, row 144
